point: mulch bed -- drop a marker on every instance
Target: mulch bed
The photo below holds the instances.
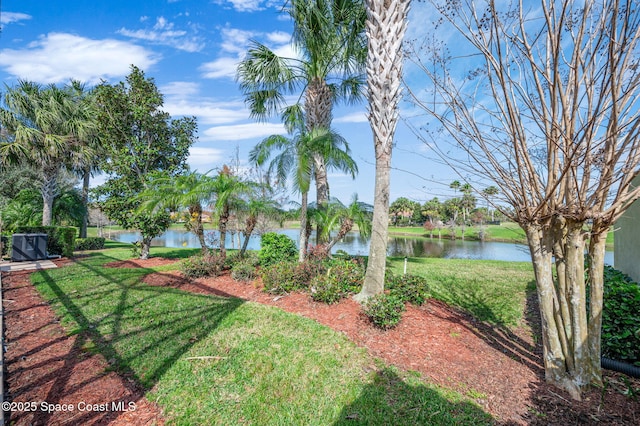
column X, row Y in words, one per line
column 500, row 369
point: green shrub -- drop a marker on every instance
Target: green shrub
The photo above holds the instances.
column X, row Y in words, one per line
column 409, row 288
column 621, row 317
column 244, row 270
column 282, row 277
column 91, row 243
column 276, row 248
column 341, row 279
column 249, row 257
column 4, row 246
column 60, row 240
column 326, row 289
column 202, row 265
column 384, row 310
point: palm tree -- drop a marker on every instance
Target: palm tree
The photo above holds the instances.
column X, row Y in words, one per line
column 356, row 212
column 489, row 192
column 253, row 209
column 43, row 126
column 329, row 36
column 88, row 159
column 293, row 159
column 386, row 25
column 191, row 190
column 228, row 189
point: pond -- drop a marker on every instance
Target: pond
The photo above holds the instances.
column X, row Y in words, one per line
column 354, row 244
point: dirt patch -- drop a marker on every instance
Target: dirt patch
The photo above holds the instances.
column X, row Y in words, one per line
column 500, row 369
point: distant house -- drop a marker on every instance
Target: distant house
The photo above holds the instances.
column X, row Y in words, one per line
column 627, row 241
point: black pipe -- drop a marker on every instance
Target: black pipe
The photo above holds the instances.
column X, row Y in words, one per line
column 620, row 367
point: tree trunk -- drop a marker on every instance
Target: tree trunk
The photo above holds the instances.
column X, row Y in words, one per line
column 318, row 108
column 386, row 24
column 49, row 192
column 248, row 230
column 597, row 247
column 86, row 177
column 302, row 250
column 374, row 276
column 541, row 246
column 347, row 225
column 222, row 227
column 145, row 247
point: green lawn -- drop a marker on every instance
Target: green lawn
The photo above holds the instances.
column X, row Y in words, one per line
column 212, row 360
column 492, row 291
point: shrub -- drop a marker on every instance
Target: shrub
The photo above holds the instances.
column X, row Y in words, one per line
column 4, row 246
column 60, row 240
column 91, row 243
column 244, row 270
column 621, row 317
column 384, row 310
column 202, row 265
column 327, row 289
column 409, row 288
column 281, row 278
column 276, row 248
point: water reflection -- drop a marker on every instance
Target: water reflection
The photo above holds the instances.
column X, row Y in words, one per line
column 353, row 243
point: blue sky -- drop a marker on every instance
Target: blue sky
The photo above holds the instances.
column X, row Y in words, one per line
column 191, row 49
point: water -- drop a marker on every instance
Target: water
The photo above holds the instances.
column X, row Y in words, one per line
column 353, row 243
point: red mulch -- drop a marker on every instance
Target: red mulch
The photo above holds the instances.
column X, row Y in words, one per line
column 500, row 369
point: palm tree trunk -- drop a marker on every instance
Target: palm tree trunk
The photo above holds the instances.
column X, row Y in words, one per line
column 386, row 25
column 85, row 201
column 318, row 106
column 48, row 190
column 222, row 227
column 250, row 226
column 302, row 250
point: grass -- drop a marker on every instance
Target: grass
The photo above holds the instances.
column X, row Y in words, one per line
column 492, row 291
column 506, row 232
column 213, row 360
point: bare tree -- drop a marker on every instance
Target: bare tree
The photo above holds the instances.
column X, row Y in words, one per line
column 385, row 26
column 549, row 114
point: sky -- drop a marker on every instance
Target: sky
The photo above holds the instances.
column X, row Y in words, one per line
column 191, row 49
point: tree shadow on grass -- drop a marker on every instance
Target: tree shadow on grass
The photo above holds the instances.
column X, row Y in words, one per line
column 396, row 400
column 140, row 330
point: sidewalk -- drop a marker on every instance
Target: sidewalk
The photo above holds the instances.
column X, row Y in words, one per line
column 7, row 266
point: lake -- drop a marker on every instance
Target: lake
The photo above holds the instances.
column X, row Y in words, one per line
column 354, row 244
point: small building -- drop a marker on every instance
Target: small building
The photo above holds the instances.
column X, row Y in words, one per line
column 627, row 240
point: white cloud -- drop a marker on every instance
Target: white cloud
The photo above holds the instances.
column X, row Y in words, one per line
column 203, row 159
column 235, row 42
column 242, row 131
column 10, row 17
column 356, row 117
column 221, row 67
column 58, row 57
column 183, row 99
column 164, row 33
column 243, row 5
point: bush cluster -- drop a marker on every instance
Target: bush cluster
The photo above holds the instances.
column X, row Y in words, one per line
column 285, row 277
column 409, row 288
column 384, row 310
column 202, row 265
column 341, row 279
column 244, row 270
column 276, row 248
column 621, row 317
column 91, row 243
